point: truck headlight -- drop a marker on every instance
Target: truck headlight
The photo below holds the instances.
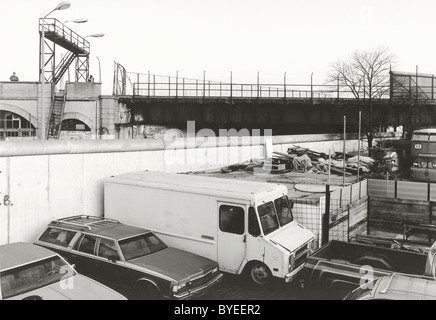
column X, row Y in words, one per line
column 311, row 246
column 291, row 263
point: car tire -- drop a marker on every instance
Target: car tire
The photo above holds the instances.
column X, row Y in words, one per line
column 259, row 273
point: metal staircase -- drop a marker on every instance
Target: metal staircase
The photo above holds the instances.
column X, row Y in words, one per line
column 56, row 115
column 62, row 67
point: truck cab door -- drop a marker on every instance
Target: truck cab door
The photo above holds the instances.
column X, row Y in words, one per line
column 231, row 236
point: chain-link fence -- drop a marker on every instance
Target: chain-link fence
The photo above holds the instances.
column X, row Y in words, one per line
column 347, row 213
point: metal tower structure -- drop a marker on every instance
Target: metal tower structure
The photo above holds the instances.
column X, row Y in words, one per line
column 54, row 33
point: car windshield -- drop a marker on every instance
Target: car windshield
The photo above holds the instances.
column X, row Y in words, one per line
column 268, row 217
column 34, row 275
column 139, row 246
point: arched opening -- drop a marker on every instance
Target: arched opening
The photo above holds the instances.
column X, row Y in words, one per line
column 15, row 127
column 74, row 129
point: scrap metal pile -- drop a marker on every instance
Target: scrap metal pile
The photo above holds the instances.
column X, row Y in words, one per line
column 305, row 160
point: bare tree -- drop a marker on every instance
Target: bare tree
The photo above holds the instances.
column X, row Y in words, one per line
column 366, row 75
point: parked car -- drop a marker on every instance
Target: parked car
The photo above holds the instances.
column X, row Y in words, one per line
column 396, row 287
column 30, row 272
column 338, row 266
column 129, row 259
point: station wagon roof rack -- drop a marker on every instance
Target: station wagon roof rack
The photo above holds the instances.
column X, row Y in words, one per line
column 87, row 221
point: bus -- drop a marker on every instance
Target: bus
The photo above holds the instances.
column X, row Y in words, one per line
column 423, row 155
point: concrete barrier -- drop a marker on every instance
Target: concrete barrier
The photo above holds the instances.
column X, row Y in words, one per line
column 45, row 180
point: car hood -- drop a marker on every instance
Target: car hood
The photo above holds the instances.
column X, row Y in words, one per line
column 77, row 287
column 175, row 263
column 291, row 236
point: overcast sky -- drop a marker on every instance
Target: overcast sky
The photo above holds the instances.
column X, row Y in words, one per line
column 219, row 36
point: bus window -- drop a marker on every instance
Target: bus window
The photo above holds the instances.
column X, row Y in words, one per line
column 420, row 137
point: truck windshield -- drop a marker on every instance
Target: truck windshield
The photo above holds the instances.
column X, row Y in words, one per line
column 284, row 211
column 139, row 246
column 268, row 217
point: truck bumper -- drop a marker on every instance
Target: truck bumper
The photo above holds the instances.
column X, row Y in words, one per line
column 292, row 275
column 197, row 292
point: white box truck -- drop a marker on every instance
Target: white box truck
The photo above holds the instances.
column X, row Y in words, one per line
column 245, row 226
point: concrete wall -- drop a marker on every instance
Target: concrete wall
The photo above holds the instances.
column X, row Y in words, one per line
column 45, row 180
column 82, row 102
column 23, row 98
column 83, row 90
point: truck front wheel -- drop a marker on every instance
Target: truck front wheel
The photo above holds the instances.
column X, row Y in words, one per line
column 260, row 273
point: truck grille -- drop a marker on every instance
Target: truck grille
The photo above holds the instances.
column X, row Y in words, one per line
column 300, row 255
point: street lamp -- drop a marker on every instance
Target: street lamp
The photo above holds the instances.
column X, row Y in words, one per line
column 61, row 6
column 80, row 20
column 95, row 35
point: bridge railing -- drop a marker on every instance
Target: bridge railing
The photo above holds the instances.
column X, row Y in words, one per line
column 151, row 85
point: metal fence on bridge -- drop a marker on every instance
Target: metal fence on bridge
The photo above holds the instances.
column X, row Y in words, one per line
column 152, row 85
column 416, row 88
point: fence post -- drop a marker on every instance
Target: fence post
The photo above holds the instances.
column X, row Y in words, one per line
column 284, row 88
column 137, row 80
column 258, row 95
column 177, row 83
column 204, row 86
column 148, row 85
column 326, row 217
column 231, row 86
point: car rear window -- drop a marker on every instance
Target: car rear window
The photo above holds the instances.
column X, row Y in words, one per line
column 58, row 236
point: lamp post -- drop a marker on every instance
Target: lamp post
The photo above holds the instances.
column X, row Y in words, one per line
column 311, row 86
column 97, row 35
column 99, row 70
column 61, row 6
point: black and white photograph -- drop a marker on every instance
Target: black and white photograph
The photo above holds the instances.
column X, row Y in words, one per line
column 217, row 156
